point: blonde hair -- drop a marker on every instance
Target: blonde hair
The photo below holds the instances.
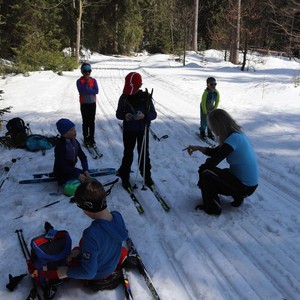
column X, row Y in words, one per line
column 222, row 124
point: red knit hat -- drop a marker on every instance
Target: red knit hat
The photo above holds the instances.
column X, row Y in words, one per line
column 133, row 82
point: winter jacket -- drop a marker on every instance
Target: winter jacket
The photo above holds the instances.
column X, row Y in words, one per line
column 210, row 100
column 88, row 89
column 132, row 104
column 100, row 248
column 240, row 156
column 66, row 154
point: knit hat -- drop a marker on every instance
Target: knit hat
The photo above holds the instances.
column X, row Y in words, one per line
column 64, row 125
column 91, row 196
column 133, row 82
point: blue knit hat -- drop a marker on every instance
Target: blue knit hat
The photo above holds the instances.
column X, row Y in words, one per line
column 64, row 125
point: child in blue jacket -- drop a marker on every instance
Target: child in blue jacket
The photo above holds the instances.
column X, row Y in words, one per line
column 98, row 259
column 67, row 151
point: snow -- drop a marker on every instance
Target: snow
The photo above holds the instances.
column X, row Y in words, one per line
column 250, row 252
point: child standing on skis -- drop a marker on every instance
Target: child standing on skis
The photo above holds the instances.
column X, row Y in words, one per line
column 136, row 109
column 209, row 101
column 88, row 89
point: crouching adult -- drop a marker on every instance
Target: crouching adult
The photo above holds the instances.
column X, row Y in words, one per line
column 240, row 180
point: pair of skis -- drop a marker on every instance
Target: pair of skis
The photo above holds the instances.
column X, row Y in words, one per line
column 208, row 141
column 93, row 150
column 155, row 192
column 143, row 271
column 48, row 177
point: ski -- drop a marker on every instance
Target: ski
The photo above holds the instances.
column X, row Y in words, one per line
column 103, row 172
column 142, row 269
column 128, row 292
column 6, row 171
column 136, row 202
column 159, row 198
column 93, row 151
column 91, row 171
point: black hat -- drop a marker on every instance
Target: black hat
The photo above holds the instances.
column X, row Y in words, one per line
column 91, row 196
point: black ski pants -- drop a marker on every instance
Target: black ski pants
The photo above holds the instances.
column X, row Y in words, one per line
column 88, row 113
column 130, row 139
column 215, row 181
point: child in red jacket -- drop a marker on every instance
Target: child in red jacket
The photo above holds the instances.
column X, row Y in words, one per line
column 88, row 89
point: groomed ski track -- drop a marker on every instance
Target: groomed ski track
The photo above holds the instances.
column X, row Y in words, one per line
column 239, row 255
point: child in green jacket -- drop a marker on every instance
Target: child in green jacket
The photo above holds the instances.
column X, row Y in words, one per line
column 209, row 101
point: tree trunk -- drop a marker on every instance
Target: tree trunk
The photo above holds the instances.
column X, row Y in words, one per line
column 78, row 12
column 195, row 35
column 234, row 55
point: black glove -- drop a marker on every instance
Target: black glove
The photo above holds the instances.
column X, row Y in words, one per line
column 14, row 280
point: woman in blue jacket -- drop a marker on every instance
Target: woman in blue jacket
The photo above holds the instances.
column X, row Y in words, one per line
column 136, row 109
column 240, row 180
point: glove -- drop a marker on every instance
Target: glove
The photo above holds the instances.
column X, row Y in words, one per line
column 14, row 280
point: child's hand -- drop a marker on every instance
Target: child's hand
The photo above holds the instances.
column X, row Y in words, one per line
column 82, row 178
column 128, row 117
column 139, row 116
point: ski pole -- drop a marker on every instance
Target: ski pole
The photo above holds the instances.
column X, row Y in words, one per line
column 47, row 205
column 34, row 294
column 7, row 170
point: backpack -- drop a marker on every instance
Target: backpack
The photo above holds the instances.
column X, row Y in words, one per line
column 37, row 142
column 17, row 130
column 49, row 251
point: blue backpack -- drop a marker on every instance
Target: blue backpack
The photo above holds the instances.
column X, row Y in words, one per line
column 49, row 251
column 37, row 142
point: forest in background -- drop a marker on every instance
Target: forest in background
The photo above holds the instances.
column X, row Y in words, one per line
column 33, row 33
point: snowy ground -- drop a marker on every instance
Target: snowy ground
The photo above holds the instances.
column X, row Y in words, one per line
column 250, row 252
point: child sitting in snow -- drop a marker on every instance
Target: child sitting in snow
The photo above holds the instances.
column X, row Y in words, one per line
column 66, row 152
column 100, row 255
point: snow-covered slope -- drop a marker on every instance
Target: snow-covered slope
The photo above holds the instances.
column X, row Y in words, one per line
column 250, row 252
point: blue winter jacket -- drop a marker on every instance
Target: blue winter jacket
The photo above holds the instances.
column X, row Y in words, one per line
column 66, row 155
column 132, row 104
column 100, row 248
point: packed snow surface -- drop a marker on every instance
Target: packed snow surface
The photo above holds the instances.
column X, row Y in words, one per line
column 250, row 252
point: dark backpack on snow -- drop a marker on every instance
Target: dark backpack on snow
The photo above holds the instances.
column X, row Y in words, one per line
column 17, row 130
